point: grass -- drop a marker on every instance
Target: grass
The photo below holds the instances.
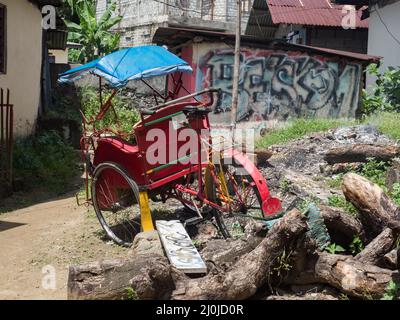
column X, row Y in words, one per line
column 300, row 128
column 387, row 123
column 341, row 202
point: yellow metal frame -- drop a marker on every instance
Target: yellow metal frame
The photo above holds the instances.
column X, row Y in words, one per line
column 145, row 214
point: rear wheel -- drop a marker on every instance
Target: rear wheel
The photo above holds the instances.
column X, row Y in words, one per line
column 192, row 204
column 116, row 201
column 238, row 189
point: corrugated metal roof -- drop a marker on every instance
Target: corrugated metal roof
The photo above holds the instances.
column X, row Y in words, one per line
column 310, row 12
column 177, row 36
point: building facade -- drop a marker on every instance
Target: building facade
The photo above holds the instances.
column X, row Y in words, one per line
column 384, row 31
column 384, row 34
column 278, row 81
column 141, row 18
column 22, row 60
column 317, row 23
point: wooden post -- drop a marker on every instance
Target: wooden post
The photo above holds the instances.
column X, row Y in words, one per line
column 236, row 74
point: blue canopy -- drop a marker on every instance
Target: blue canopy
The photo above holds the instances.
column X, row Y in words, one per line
column 130, row 64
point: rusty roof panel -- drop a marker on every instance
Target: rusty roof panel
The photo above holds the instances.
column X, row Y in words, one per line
column 310, row 12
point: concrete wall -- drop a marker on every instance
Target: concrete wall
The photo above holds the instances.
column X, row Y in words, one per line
column 278, row 85
column 380, row 42
column 60, row 56
column 141, row 18
column 24, row 60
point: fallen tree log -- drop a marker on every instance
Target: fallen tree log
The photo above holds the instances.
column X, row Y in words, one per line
column 377, row 210
column 149, row 277
column 360, row 153
column 353, row 277
column 341, row 226
column 248, row 274
column 391, row 259
column 374, row 252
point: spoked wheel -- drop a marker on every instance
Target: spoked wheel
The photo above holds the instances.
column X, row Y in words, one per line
column 238, row 189
column 192, row 204
column 116, row 202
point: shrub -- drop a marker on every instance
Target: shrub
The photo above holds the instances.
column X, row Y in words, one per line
column 127, row 115
column 385, row 95
column 44, row 161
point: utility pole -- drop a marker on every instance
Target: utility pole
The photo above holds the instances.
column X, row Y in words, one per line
column 236, row 72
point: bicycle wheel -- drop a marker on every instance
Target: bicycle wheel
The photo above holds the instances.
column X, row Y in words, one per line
column 238, row 189
column 116, row 202
column 192, row 204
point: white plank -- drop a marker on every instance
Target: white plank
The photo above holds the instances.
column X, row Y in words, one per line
column 180, row 250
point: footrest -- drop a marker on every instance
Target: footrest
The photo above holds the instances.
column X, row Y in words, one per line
column 193, row 221
column 181, row 252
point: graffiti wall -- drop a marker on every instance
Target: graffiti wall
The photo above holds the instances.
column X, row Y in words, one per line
column 279, row 85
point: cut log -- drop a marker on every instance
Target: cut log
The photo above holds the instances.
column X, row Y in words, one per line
column 392, row 259
column 145, row 271
column 262, row 155
column 377, row 248
column 393, row 174
column 224, row 253
column 353, row 277
column 248, row 274
column 148, row 276
column 340, row 168
column 360, row 153
column 342, row 226
column 377, row 210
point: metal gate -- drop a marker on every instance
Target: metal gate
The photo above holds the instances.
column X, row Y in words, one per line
column 6, row 138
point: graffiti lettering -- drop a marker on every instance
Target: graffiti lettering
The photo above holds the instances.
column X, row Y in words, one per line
column 280, row 85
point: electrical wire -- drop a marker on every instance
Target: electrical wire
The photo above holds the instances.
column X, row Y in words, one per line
column 386, row 27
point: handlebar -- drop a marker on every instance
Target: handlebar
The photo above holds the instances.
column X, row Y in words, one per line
column 166, row 104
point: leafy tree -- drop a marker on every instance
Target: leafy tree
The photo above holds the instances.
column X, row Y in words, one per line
column 94, row 35
column 385, row 96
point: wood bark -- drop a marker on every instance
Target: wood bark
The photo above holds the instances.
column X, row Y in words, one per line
column 342, row 226
column 391, row 259
column 248, row 274
column 149, row 277
column 353, row 277
column 377, row 210
column 263, row 155
column 360, row 153
column 373, row 253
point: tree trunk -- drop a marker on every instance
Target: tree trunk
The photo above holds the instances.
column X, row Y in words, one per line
column 360, row 153
column 342, row 226
column 353, row 277
column 377, row 210
column 377, row 248
column 248, row 274
column 392, row 259
column 148, row 276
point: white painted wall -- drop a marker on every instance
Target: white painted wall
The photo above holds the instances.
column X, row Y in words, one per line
column 380, row 42
column 61, row 56
column 24, row 61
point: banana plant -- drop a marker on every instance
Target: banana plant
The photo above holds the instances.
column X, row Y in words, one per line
column 93, row 34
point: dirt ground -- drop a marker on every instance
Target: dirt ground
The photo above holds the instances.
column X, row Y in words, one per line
column 52, row 234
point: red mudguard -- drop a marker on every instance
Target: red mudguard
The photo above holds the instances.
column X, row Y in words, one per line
column 270, row 205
